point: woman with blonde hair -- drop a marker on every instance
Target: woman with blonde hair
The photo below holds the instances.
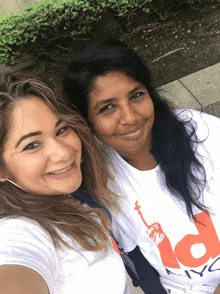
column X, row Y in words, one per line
column 54, row 228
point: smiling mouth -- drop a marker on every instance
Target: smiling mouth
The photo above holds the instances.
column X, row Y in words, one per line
column 62, row 171
column 131, row 132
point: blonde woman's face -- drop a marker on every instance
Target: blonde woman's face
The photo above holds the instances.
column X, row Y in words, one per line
column 42, row 153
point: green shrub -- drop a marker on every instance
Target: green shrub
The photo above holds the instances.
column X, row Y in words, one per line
column 48, row 20
column 122, row 7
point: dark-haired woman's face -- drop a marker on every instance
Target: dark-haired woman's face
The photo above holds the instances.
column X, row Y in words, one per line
column 121, row 112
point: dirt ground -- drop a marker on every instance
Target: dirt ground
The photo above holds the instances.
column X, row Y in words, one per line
column 186, row 41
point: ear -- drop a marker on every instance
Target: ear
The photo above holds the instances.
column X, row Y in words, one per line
column 3, row 176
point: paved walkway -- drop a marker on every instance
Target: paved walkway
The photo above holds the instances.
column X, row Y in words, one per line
column 200, row 90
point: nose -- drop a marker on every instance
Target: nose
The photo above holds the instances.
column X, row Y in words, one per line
column 128, row 114
column 58, row 151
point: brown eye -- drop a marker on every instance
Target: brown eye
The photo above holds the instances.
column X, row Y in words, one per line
column 137, row 95
column 106, row 108
column 62, row 130
column 31, row 146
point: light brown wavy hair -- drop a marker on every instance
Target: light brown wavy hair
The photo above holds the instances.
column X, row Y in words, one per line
column 64, row 211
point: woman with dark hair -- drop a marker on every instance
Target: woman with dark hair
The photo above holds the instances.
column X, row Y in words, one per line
column 54, row 237
column 164, row 166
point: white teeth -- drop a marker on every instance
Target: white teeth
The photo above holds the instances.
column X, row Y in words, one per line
column 61, row 171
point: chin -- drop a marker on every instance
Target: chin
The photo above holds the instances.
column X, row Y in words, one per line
column 133, row 148
column 70, row 189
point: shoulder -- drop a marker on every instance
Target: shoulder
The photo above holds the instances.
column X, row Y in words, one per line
column 113, row 157
column 118, row 168
column 15, row 228
column 25, row 235
column 24, row 242
column 195, row 115
column 204, row 124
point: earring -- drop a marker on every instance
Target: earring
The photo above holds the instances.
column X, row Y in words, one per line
column 10, row 181
column 81, row 159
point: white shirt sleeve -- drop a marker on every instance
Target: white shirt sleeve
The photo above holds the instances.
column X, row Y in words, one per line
column 25, row 242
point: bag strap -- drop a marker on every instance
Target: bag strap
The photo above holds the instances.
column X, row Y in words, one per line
column 88, row 200
column 92, row 203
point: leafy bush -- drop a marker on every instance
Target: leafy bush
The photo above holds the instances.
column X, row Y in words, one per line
column 122, row 7
column 49, row 20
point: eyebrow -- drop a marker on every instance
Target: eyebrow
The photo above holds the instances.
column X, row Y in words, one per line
column 32, row 134
column 135, row 89
column 103, row 102
column 106, row 101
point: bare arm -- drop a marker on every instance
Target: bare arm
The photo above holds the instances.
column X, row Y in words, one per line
column 19, row 279
column 217, row 290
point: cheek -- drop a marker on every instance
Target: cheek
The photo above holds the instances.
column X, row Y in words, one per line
column 104, row 127
column 148, row 108
column 75, row 143
column 32, row 166
column 25, row 171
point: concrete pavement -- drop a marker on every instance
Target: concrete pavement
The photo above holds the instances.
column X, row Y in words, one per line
column 200, row 90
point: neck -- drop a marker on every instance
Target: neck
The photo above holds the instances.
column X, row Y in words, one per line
column 141, row 159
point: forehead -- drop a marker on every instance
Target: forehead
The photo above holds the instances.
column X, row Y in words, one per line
column 110, row 78
column 29, row 115
column 33, row 109
column 113, row 86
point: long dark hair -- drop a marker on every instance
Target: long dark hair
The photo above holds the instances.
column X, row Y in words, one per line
column 173, row 140
column 56, row 211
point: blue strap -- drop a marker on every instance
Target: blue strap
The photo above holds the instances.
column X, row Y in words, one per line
column 87, row 199
column 92, row 203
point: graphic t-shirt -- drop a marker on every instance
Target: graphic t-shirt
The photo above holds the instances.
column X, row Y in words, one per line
column 65, row 270
column 184, row 252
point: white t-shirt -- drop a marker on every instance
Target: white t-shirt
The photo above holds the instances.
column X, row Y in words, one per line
column 183, row 252
column 66, row 271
